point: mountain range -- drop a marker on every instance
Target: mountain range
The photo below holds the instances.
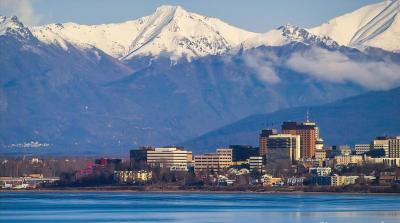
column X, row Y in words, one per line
column 176, row 75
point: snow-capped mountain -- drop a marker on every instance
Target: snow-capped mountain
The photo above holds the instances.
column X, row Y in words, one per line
column 285, row 35
column 173, row 32
column 170, row 30
column 114, row 39
column 104, row 87
column 376, row 25
column 13, row 27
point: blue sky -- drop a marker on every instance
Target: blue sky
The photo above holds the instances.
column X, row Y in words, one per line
column 258, row 16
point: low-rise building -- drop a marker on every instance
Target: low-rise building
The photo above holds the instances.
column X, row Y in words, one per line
column 172, row 158
column 344, row 160
column 129, row 176
column 320, row 171
column 320, row 154
column 270, row 181
column 295, row 181
column 25, row 182
column 308, row 162
column 381, row 160
column 225, row 181
column 213, row 161
column 337, row 180
column 387, row 178
column 362, row 148
column 321, row 180
column 256, row 163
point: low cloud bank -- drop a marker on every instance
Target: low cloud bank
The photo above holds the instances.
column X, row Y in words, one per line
column 337, row 67
column 263, row 65
column 23, row 9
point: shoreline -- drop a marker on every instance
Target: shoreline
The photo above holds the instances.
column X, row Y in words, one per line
column 272, row 192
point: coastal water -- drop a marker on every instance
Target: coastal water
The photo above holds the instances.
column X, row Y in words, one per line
column 196, row 207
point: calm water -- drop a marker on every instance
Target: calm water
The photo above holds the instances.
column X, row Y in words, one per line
column 196, row 207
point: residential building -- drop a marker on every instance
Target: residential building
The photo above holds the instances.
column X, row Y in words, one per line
column 262, row 140
column 344, row 160
column 283, row 149
column 320, row 154
column 308, row 133
column 321, row 180
column 362, row 148
column 173, row 158
column 35, row 161
column 25, row 182
column 337, row 181
column 320, row 171
column 213, row 161
column 387, row 178
column 225, row 181
column 295, row 181
column 130, row 176
column 271, row 181
column 308, row 162
column 256, row 163
column 382, row 160
column 394, row 147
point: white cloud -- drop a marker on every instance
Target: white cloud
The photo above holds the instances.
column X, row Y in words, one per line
column 337, row 67
column 263, row 65
column 23, row 9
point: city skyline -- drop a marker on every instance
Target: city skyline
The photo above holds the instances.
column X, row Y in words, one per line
column 227, row 111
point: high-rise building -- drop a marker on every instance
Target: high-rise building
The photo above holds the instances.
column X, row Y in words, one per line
column 381, row 142
column 283, row 149
column 213, row 161
column 173, row 158
column 308, row 133
column 394, row 147
column 262, row 140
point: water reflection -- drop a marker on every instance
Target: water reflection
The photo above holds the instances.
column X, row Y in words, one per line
column 196, row 207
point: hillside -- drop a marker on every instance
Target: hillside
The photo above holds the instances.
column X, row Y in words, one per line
column 349, row 121
column 168, row 77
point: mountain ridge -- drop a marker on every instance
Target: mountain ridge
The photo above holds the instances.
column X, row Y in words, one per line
column 357, row 119
column 169, row 32
column 82, row 98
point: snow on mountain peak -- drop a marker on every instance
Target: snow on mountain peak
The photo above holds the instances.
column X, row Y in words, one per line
column 178, row 33
column 170, row 30
column 114, row 39
column 287, row 34
column 376, row 25
column 12, row 26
